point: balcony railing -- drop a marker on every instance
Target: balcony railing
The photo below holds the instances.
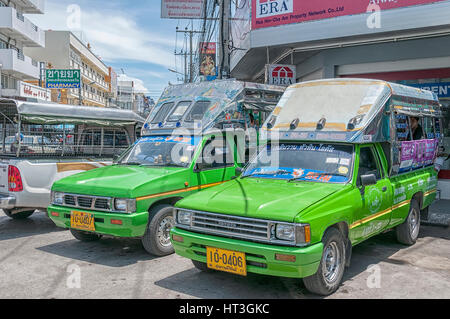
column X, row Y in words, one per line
column 21, row 28
column 20, row 16
column 21, row 56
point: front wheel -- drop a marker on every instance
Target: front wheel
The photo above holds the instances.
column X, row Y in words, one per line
column 85, row 236
column 156, row 240
column 21, row 215
column 331, row 268
column 408, row 232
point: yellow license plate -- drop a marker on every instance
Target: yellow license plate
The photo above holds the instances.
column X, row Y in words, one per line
column 226, row 260
column 82, row 221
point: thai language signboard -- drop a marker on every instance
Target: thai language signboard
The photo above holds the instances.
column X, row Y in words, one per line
column 32, row 91
column 182, row 9
column 270, row 13
column 62, row 79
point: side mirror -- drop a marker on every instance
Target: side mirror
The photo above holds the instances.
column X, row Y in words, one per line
column 239, row 170
column 367, row 180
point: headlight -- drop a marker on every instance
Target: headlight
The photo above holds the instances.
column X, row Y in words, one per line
column 298, row 233
column 184, row 218
column 57, row 198
column 125, row 205
column 285, row 232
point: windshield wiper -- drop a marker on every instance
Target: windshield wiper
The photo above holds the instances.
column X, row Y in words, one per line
column 280, row 171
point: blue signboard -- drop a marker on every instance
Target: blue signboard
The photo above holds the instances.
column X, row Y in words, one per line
column 442, row 89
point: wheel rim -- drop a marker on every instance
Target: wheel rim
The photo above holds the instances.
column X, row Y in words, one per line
column 164, row 231
column 413, row 222
column 331, row 263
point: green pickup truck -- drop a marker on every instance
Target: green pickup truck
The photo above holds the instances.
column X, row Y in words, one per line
column 183, row 149
column 344, row 161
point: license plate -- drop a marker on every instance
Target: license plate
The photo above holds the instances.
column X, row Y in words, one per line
column 82, row 221
column 226, row 260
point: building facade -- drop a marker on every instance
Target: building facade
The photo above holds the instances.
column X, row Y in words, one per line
column 16, row 33
column 64, row 50
column 111, row 79
column 125, row 92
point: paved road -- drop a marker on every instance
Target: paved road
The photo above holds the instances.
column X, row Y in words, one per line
column 38, row 260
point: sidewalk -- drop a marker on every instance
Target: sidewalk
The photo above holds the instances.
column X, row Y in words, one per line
column 439, row 213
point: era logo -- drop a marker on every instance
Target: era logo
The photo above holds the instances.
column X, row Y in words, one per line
column 282, row 75
column 268, row 8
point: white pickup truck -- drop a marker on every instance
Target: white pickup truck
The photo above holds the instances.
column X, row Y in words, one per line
column 42, row 143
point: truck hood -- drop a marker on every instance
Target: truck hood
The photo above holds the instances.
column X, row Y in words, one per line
column 118, row 181
column 260, row 198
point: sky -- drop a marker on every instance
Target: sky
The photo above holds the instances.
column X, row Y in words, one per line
column 128, row 35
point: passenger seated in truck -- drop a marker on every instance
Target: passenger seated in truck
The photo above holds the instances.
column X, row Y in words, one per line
column 416, row 129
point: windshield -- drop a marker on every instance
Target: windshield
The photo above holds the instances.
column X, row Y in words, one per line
column 161, row 151
column 303, row 162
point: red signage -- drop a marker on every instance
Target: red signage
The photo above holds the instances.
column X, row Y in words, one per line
column 270, row 13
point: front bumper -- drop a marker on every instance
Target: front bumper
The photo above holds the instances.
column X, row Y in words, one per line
column 7, row 201
column 260, row 257
column 133, row 225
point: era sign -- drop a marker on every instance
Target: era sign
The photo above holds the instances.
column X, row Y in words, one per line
column 268, row 8
column 281, row 74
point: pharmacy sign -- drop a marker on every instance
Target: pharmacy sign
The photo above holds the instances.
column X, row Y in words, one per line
column 63, row 79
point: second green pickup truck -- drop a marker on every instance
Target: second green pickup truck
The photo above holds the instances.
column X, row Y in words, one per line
column 350, row 159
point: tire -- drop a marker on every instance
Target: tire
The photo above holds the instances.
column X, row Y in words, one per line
column 329, row 275
column 21, row 215
column 424, row 214
column 201, row 266
column 408, row 232
column 85, row 236
column 156, row 240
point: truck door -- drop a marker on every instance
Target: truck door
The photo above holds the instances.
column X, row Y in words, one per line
column 216, row 162
column 376, row 200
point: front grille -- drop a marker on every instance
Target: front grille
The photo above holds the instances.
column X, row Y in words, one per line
column 85, row 202
column 231, row 225
column 235, row 227
column 101, row 203
column 70, row 200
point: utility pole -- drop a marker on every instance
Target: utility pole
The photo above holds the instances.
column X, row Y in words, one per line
column 224, row 38
column 191, row 51
column 185, row 54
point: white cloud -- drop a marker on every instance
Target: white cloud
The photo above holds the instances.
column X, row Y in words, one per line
column 113, row 35
column 139, row 86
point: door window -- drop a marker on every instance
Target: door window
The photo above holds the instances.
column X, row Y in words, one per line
column 216, row 154
column 368, row 163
